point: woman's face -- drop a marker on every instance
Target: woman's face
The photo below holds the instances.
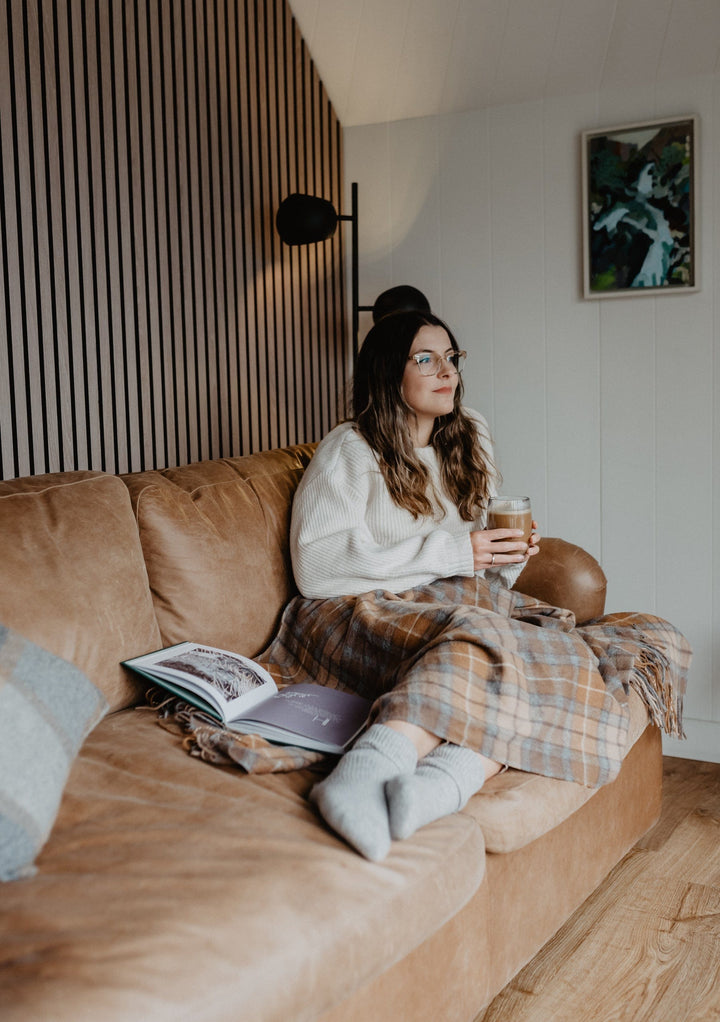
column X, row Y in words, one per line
column 429, row 396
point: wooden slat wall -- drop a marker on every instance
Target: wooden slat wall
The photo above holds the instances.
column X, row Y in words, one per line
column 149, row 313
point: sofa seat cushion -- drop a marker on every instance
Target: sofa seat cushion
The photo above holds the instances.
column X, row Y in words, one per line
column 174, row 889
column 516, row 807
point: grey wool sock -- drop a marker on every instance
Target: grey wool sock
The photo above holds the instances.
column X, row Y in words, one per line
column 442, row 783
column 352, row 798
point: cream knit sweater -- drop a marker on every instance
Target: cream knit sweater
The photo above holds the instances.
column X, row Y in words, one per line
column 348, row 536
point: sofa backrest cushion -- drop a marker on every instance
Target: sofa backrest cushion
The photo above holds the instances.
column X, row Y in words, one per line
column 217, row 558
column 279, row 461
column 73, row 575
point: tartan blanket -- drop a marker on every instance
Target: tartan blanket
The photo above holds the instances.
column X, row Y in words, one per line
column 476, row 664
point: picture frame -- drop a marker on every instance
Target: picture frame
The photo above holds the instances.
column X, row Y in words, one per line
column 639, row 189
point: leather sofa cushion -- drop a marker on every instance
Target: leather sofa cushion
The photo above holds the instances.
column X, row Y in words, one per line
column 222, row 470
column 514, row 808
column 217, row 558
column 174, row 889
column 74, row 579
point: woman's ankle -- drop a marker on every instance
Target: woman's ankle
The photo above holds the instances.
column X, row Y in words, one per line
column 424, row 741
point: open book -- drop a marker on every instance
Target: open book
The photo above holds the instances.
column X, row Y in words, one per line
column 243, row 696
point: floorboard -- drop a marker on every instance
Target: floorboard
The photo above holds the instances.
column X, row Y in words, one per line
column 645, row 947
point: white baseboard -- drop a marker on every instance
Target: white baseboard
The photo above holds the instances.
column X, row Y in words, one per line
column 703, row 741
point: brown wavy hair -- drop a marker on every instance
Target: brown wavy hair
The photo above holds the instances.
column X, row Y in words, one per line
column 383, row 418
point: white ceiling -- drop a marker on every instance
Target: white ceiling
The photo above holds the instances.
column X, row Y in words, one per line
column 385, row 60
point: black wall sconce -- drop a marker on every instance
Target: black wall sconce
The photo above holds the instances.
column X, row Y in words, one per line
column 306, row 219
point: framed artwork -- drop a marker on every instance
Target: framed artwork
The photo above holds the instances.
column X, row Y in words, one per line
column 639, row 189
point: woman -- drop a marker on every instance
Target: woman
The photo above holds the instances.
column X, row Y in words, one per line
column 406, row 599
column 393, row 500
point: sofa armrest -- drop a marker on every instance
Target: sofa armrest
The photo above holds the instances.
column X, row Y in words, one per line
column 565, row 575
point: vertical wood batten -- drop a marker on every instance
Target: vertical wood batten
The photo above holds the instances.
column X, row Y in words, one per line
column 292, row 256
column 186, row 86
column 133, row 344
column 260, row 180
column 307, row 252
column 337, row 290
column 206, row 29
column 150, row 314
column 273, row 64
column 34, row 362
column 119, row 241
column 252, row 160
column 233, row 301
column 74, row 440
column 282, row 97
column 81, row 240
column 173, row 191
column 146, row 341
column 9, row 452
column 106, row 310
column 152, row 206
column 321, row 188
column 50, row 271
column 243, row 228
column 315, row 254
column 222, row 179
column 205, row 254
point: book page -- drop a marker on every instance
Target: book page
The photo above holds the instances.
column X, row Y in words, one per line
column 229, row 681
column 327, row 715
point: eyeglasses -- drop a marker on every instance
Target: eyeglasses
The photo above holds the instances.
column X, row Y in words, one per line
column 430, row 364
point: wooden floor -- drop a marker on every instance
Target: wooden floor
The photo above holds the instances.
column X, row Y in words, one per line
column 646, row 946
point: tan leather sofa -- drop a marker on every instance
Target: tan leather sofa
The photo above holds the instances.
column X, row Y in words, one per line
column 172, row 889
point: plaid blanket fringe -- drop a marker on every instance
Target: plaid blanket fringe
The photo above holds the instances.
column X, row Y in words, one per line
column 477, row 665
column 651, row 656
column 206, row 739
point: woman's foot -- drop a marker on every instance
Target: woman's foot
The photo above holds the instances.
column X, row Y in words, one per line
column 352, row 798
column 442, row 784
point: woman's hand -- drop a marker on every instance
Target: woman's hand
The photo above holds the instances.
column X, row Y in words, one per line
column 497, row 547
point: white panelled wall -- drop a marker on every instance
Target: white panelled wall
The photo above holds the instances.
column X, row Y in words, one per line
column 607, row 412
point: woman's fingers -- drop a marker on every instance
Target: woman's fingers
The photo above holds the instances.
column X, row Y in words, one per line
column 497, row 535
column 495, row 547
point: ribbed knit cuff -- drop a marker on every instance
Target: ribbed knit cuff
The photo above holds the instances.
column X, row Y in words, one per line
column 397, row 747
column 462, row 765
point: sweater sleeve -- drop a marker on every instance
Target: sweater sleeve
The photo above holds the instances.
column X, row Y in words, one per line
column 334, row 550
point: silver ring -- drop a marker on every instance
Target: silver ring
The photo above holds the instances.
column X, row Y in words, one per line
column 492, row 561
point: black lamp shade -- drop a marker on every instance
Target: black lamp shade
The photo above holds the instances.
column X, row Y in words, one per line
column 303, row 219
